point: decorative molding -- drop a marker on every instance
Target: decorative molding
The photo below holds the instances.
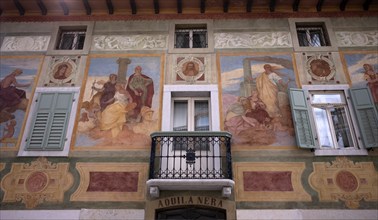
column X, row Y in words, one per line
column 2, row 166
column 111, row 191
column 273, row 192
column 36, row 183
column 25, row 43
column 197, row 72
column 357, row 39
column 131, row 42
column 345, row 180
column 320, row 67
column 253, row 40
column 70, row 67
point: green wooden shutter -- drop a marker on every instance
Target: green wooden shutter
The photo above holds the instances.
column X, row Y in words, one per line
column 49, row 126
column 366, row 114
column 302, row 119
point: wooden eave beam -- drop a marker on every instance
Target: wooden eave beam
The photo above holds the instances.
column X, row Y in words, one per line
column 203, row 6
column 133, row 7
column 88, row 9
column 42, row 7
column 272, row 5
column 319, row 5
column 1, row 11
column 179, row 6
column 109, row 4
column 19, row 7
column 343, row 4
column 249, row 6
column 64, row 7
column 156, row 6
column 226, row 3
column 296, row 5
column 366, row 5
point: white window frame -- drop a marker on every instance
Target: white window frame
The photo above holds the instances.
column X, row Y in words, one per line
column 357, row 150
column 190, row 90
column 64, row 153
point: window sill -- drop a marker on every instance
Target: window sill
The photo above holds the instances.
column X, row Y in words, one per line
column 344, row 152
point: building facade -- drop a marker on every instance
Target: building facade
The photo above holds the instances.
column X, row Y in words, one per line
column 221, row 116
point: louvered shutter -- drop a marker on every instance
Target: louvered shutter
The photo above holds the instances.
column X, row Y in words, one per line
column 304, row 132
column 366, row 114
column 49, row 126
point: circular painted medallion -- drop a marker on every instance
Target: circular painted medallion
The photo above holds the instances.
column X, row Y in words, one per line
column 36, row 182
column 346, row 181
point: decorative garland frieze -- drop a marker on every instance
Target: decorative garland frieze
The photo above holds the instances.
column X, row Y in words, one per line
column 357, row 39
column 253, row 40
column 132, row 42
column 25, row 43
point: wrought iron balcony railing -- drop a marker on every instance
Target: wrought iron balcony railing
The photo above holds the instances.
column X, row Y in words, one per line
column 190, row 155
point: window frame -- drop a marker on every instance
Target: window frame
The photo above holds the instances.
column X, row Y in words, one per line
column 305, row 106
column 69, row 130
column 313, row 22
column 75, row 43
column 193, row 23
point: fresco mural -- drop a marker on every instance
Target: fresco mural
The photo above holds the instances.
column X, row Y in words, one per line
column 121, row 103
column 17, row 77
column 255, row 100
column 363, row 71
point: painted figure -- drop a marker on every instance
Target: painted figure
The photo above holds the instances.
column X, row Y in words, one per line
column 61, row 72
column 190, row 69
column 107, row 91
column 267, row 84
column 141, row 89
column 9, row 130
column 372, row 78
column 10, row 95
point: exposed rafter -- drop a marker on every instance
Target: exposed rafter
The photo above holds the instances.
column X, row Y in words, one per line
column 179, row 6
column 319, row 5
column 109, row 4
column 366, row 5
column 249, row 6
column 1, row 11
column 296, row 5
column 19, row 7
column 272, row 5
column 64, row 7
column 203, row 6
column 42, row 7
column 87, row 6
column 133, row 7
column 343, row 4
column 226, row 3
column 156, row 6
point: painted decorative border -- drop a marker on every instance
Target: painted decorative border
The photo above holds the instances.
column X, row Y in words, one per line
column 81, row 194
column 253, row 40
column 25, row 43
column 297, row 194
column 128, row 42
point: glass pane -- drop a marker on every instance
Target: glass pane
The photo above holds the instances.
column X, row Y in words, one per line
column 342, row 130
column 180, row 116
column 201, row 115
column 323, row 127
column 327, row 98
column 66, row 41
column 182, row 40
column 302, row 38
column 80, row 41
column 199, row 39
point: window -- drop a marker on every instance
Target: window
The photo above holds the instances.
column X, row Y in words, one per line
column 191, row 114
column 71, row 40
column 312, row 35
column 332, row 119
column 49, row 126
column 324, row 119
column 191, row 36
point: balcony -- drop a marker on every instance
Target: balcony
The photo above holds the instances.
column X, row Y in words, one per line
column 182, row 160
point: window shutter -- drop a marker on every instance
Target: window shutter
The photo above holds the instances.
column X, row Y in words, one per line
column 302, row 119
column 48, row 129
column 367, row 116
